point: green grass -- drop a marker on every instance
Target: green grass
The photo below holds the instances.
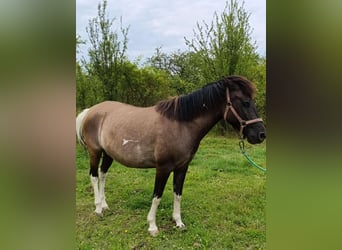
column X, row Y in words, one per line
column 223, row 203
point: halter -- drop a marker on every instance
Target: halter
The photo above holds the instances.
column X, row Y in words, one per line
column 243, row 123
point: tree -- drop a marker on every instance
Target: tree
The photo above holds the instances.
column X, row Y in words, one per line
column 88, row 89
column 225, row 46
column 107, row 53
column 79, row 41
column 81, row 91
column 144, row 86
column 258, row 76
column 181, row 67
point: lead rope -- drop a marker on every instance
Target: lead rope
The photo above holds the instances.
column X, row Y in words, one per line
column 243, row 151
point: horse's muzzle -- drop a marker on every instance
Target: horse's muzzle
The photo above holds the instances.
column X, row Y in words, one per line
column 255, row 134
column 262, row 136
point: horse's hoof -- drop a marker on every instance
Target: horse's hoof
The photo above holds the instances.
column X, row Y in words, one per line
column 105, row 208
column 104, row 205
column 98, row 213
column 181, row 227
column 153, row 232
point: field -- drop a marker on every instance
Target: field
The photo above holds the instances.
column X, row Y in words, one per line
column 223, row 203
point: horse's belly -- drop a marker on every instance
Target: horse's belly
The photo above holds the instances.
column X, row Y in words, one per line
column 132, row 154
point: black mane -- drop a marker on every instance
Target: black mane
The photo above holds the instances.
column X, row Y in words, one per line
column 209, row 97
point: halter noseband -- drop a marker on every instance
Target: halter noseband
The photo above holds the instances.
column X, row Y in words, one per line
column 243, row 123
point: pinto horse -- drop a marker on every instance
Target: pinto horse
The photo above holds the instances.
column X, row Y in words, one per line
column 165, row 136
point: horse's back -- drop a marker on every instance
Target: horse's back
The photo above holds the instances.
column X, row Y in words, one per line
column 119, row 114
column 125, row 132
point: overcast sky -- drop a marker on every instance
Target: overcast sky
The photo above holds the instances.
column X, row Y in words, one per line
column 164, row 24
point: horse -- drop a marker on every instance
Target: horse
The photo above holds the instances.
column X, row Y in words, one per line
column 165, row 136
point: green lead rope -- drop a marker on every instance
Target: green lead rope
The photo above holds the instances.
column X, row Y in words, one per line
column 243, row 151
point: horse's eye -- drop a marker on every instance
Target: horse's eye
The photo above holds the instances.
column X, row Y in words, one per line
column 246, row 104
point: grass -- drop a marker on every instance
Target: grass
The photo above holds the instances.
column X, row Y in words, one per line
column 223, row 203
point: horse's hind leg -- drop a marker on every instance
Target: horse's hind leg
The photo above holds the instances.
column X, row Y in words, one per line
column 106, row 162
column 95, row 156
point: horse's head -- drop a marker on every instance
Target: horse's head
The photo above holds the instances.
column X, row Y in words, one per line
column 240, row 109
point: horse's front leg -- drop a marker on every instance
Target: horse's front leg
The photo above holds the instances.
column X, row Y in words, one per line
column 151, row 217
column 159, row 185
column 178, row 181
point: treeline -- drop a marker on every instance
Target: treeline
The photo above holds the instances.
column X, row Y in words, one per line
column 223, row 47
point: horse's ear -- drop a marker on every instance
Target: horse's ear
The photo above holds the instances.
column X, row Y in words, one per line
column 229, row 83
column 226, row 81
column 240, row 82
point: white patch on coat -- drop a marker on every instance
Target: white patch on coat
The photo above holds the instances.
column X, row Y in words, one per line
column 125, row 141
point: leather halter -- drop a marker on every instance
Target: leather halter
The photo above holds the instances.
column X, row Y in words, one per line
column 243, row 123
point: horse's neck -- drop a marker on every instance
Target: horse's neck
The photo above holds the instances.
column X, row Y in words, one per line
column 203, row 124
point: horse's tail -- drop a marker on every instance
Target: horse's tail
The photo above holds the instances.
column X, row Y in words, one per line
column 79, row 125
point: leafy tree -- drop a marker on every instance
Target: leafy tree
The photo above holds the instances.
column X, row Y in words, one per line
column 107, row 53
column 258, row 76
column 81, row 91
column 88, row 89
column 181, row 68
column 78, row 42
column 144, row 86
column 224, row 47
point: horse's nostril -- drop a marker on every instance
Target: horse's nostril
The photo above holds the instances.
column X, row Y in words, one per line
column 262, row 136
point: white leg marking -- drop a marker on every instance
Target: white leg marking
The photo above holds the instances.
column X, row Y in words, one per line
column 97, row 200
column 102, row 178
column 151, row 217
column 177, row 211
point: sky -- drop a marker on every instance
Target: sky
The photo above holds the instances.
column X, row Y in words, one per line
column 160, row 23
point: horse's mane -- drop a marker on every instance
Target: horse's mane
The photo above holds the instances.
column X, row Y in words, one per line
column 211, row 96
